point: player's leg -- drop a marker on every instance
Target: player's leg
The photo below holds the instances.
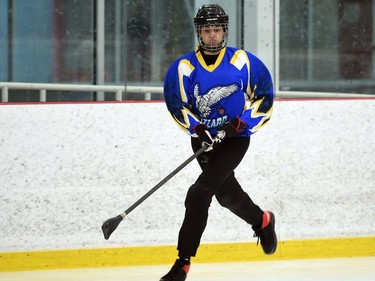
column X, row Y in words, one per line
column 231, row 195
column 217, row 165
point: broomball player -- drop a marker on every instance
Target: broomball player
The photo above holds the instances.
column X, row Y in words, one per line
column 206, row 92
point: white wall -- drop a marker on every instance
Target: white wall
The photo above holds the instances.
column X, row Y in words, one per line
column 65, row 168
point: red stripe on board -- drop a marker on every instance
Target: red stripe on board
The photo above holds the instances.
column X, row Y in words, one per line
column 80, row 102
column 162, row 101
column 325, row 99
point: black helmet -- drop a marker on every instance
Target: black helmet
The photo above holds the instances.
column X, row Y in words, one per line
column 211, row 14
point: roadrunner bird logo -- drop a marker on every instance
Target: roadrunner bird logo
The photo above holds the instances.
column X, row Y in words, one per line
column 215, row 95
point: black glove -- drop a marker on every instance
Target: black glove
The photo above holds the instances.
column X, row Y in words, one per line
column 205, row 136
column 232, row 128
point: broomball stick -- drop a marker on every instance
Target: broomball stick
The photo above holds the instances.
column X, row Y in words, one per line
column 110, row 225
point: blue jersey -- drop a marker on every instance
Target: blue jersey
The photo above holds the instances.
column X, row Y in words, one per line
column 237, row 85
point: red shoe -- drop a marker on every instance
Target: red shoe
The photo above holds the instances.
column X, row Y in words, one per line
column 266, row 233
column 178, row 271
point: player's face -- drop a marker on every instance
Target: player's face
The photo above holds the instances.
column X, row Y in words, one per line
column 212, row 35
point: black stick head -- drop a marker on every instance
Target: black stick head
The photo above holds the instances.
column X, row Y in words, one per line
column 110, row 225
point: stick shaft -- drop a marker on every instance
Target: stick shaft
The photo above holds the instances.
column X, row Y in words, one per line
column 163, row 181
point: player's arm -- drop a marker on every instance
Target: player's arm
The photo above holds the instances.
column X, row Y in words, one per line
column 176, row 95
column 261, row 95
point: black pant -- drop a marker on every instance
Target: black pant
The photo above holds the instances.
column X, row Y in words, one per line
column 217, row 179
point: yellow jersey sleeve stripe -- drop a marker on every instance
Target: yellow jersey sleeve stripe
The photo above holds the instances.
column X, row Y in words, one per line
column 185, row 68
